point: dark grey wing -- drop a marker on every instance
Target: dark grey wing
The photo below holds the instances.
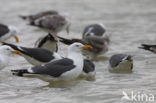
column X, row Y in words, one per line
column 40, row 54
column 88, row 66
column 97, row 29
column 116, row 59
column 55, row 68
column 3, row 30
column 11, row 45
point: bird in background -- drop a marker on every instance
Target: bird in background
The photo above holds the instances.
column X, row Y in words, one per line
column 8, row 31
column 121, row 63
column 49, row 21
column 47, row 42
column 98, row 40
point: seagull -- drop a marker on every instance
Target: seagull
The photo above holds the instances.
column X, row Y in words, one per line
column 63, row 69
column 149, row 47
column 35, row 56
column 36, row 16
column 47, row 42
column 93, row 35
column 52, row 23
column 5, row 52
column 94, row 30
column 121, row 63
column 7, row 31
column 99, row 44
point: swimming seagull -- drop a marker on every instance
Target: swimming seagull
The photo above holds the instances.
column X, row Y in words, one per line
column 149, row 47
column 52, row 23
column 121, row 63
column 94, row 30
column 64, row 69
column 36, row 16
column 5, row 52
column 41, row 56
column 7, row 31
column 99, row 44
column 47, row 42
column 35, row 56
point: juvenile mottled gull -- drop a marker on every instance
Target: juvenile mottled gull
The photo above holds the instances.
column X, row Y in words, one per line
column 8, row 31
column 94, row 30
column 36, row 16
column 121, row 63
column 53, row 23
column 35, row 56
column 47, row 42
column 63, row 69
column 99, row 44
column 149, row 47
column 5, row 52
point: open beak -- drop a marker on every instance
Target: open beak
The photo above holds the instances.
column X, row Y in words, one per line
column 88, row 47
column 16, row 38
column 16, row 52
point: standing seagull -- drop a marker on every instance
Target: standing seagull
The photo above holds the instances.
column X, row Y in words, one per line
column 8, row 31
column 121, row 63
column 5, row 52
column 35, row 56
column 94, row 30
column 63, row 69
column 47, row 42
column 149, row 47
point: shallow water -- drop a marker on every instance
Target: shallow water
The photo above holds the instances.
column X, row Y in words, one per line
column 129, row 22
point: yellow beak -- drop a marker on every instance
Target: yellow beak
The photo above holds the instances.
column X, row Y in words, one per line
column 87, row 47
column 16, row 38
column 16, row 52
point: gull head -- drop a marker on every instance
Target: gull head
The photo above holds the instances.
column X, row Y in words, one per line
column 6, row 50
column 78, row 47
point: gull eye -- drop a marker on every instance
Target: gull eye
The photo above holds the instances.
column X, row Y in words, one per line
column 77, row 45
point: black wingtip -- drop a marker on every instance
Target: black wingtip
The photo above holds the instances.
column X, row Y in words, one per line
column 65, row 41
column 11, row 45
column 19, row 72
column 145, row 46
